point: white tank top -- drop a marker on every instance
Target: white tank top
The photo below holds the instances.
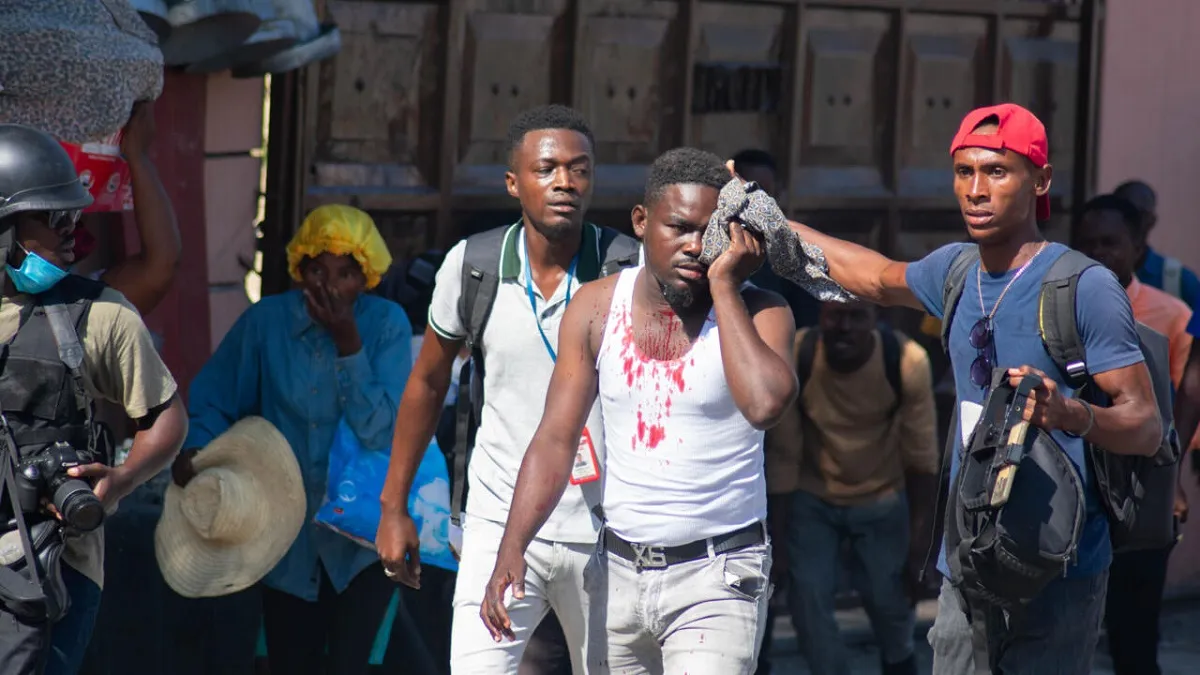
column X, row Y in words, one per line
column 682, row 462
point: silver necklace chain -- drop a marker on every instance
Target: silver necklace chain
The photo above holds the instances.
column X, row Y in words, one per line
column 979, row 281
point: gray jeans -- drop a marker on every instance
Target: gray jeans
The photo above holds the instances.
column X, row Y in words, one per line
column 1056, row 635
column 704, row 617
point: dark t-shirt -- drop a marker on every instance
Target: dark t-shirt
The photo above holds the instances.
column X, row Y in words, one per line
column 1106, row 325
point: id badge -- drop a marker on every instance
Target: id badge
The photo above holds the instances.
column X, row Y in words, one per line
column 586, row 468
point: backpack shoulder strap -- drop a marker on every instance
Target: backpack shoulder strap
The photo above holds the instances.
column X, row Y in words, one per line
column 956, row 280
column 1056, row 316
column 806, row 353
column 1173, row 276
column 480, row 280
column 890, row 344
column 67, row 306
column 617, row 251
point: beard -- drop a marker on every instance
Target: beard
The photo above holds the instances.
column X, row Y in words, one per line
column 677, row 297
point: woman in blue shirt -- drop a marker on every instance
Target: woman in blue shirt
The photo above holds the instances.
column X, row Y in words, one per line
column 304, row 360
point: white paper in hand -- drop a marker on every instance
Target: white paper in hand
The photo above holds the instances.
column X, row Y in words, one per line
column 968, row 417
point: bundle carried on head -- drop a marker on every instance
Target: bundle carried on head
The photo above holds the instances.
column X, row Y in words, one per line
column 74, row 68
column 790, row 257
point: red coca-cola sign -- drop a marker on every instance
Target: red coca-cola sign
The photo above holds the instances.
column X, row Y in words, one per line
column 103, row 172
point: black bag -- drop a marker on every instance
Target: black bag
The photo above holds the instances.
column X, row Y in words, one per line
column 1137, row 493
column 409, row 283
column 480, row 281
column 31, row 583
column 1016, row 508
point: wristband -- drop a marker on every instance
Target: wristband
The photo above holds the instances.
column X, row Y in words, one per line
column 1091, row 420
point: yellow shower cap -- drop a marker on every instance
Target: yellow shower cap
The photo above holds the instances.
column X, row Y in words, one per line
column 340, row 230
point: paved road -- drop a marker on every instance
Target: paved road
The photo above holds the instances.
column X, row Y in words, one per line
column 1179, row 650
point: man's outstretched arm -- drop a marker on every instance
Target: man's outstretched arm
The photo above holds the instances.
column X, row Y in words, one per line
column 549, row 458
column 868, row 274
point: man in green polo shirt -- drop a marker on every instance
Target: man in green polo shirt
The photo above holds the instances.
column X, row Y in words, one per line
column 543, row 259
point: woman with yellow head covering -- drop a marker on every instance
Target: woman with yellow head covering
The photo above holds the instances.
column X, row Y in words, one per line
column 339, row 231
column 307, row 360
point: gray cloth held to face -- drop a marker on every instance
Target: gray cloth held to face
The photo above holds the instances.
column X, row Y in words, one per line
column 790, row 257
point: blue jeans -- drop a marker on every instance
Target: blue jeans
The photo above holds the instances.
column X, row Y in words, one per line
column 1055, row 635
column 70, row 637
column 878, row 536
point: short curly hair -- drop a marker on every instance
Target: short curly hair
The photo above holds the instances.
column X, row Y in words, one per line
column 683, row 166
column 1138, row 193
column 1130, row 215
column 543, row 117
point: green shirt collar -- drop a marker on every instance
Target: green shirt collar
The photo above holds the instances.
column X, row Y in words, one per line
column 589, row 254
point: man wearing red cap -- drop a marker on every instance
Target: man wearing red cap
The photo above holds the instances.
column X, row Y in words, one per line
column 1001, row 178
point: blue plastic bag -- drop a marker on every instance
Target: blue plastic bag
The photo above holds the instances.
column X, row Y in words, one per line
column 356, row 477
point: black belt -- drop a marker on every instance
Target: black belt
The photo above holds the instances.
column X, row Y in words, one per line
column 657, row 557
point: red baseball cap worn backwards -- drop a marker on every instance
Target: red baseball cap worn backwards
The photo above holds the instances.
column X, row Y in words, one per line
column 1019, row 130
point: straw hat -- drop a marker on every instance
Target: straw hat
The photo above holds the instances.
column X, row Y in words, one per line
column 236, row 518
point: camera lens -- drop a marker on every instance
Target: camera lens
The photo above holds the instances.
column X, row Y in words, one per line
column 78, row 505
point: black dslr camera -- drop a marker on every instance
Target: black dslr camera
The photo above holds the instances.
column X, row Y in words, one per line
column 45, row 474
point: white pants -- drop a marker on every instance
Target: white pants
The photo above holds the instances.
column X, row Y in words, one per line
column 704, row 617
column 553, row 580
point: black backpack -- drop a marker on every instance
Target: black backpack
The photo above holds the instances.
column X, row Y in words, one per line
column 888, row 343
column 1016, row 508
column 480, row 281
column 409, row 283
column 1137, row 492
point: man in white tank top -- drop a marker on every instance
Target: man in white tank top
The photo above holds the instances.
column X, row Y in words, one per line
column 690, row 365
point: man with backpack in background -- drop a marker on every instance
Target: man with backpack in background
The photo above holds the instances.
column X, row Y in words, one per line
column 853, row 461
column 523, row 276
column 1109, row 229
column 1153, row 268
column 987, row 294
column 1169, row 274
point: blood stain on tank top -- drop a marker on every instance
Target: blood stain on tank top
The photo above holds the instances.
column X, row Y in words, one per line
column 656, row 379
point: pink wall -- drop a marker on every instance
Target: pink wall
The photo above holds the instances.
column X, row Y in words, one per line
column 233, row 127
column 182, row 316
column 1150, row 112
column 1149, row 119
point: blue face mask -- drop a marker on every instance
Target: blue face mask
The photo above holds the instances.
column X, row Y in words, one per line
column 36, row 274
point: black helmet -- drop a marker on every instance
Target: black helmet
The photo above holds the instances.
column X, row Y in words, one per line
column 36, row 174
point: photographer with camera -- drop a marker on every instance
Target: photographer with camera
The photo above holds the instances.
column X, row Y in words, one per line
column 69, row 341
